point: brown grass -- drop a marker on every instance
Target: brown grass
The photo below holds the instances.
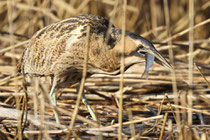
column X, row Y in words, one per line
column 170, row 105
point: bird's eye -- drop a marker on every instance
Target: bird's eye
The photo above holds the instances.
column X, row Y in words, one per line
column 140, row 46
column 141, row 49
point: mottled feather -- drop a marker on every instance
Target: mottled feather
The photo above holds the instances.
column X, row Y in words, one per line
column 58, row 50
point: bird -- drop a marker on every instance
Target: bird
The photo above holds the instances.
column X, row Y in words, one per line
column 58, row 51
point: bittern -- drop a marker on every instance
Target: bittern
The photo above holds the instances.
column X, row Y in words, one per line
column 58, row 51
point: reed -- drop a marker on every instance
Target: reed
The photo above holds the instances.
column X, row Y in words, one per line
column 169, row 105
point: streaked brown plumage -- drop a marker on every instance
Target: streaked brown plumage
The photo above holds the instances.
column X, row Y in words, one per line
column 58, row 51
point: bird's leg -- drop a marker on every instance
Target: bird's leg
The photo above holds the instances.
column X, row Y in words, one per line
column 53, row 100
column 85, row 101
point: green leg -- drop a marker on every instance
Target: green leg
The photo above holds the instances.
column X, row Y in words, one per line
column 85, row 101
column 53, row 100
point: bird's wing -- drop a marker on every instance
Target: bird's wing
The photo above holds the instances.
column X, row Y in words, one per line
column 51, row 42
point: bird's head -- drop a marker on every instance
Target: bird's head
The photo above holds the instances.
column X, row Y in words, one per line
column 137, row 47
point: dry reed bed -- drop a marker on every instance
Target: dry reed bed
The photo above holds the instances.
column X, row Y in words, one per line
column 149, row 108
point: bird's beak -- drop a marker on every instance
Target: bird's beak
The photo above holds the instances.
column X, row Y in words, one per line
column 153, row 55
column 160, row 59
